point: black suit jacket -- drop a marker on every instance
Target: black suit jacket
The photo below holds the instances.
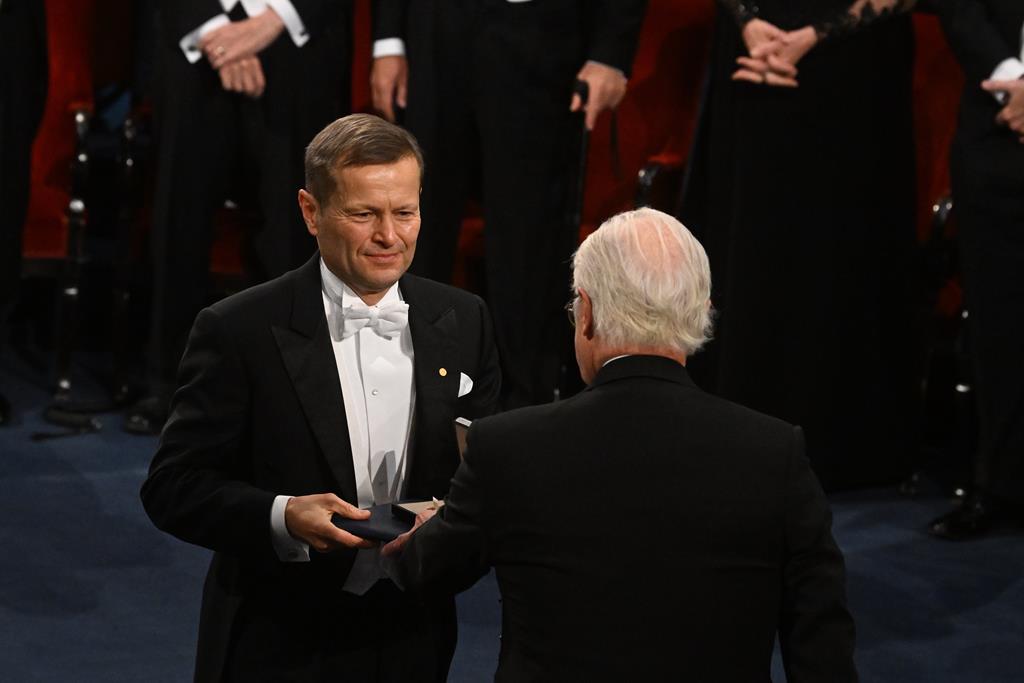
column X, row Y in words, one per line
column 259, row 412
column 23, row 85
column 988, row 159
column 547, row 39
column 644, row 530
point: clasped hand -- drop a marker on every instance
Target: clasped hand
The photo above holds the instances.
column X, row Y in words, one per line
column 773, row 53
column 232, row 51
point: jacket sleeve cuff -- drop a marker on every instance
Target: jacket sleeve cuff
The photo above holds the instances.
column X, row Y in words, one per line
column 288, row 549
column 388, row 47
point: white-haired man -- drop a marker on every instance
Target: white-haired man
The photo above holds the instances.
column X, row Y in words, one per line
column 642, row 530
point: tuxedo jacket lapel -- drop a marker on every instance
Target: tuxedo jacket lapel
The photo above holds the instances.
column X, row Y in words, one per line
column 434, row 330
column 306, row 349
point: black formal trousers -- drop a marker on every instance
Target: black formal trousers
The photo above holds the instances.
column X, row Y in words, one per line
column 987, row 166
column 23, row 85
column 214, row 145
column 644, row 530
column 259, row 412
column 490, row 84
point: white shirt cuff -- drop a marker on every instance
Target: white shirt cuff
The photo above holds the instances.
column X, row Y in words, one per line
column 190, row 43
column 292, row 20
column 288, row 548
column 1008, row 70
column 388, row 47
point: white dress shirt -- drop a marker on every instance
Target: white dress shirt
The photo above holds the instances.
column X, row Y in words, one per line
column 376, row 375
column 289, row 16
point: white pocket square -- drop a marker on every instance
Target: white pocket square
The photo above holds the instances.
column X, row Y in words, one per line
column 465, row 384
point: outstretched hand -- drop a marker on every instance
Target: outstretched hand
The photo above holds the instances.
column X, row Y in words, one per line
column 774, row 54
column 309, row 518
column 395, row 547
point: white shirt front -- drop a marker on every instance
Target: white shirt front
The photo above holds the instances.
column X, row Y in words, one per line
column 378, row 390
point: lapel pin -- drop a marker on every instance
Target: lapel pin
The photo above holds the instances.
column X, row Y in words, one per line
column 442, row 372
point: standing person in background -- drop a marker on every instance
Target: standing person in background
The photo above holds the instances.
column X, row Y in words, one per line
column 241, row 85
column 487, row 87
column 804, row 199
column 23, row 85
column 987, row 165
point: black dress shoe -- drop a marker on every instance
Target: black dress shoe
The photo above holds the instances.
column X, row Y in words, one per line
column 973, row 519
column 147, row 416
column 5, row 411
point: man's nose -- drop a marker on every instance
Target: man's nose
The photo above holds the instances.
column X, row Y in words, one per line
column 387, row 230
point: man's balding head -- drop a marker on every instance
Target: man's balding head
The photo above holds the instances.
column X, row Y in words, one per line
column 648, row 283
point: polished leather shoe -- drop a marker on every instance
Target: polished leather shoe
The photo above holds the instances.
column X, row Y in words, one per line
column 5, row 411
column 147, row 416
column 973, row 519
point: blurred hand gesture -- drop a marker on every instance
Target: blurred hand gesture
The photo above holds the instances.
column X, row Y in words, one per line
column 1012, row 113
column 606, row 86
column 389, row 80
column 240, row 39
column 243, row 76
column 774, row 54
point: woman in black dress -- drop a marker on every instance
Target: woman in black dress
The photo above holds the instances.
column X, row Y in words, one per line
column 804, row 199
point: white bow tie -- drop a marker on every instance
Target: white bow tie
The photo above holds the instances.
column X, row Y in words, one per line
column 386, row 320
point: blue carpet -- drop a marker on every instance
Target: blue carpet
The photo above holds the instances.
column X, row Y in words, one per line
column 90, row 591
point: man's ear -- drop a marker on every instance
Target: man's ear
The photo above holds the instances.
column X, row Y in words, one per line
column 310, row 211
column 585, row 314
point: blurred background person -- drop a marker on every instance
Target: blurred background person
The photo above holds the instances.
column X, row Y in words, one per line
column 241, row 86
column 987, row 165
column 487, row 88
column 23, row 85
column 804, row 199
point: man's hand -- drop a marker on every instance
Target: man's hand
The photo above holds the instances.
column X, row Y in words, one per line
column 395, row 547
column 606, row 86
column 241, row 39
column 1012, row 113
column 243, row 76
column 389, row 80
column 773, row 61
column 309, row 518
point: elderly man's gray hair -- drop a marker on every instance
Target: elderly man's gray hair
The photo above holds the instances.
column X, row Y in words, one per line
column 649, row 281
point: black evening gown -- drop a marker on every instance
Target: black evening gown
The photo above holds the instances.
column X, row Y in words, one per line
column 804, row 200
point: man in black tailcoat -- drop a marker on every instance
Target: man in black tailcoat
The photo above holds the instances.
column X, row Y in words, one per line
column 642, row 530
column 332, row 387
column 987, row 165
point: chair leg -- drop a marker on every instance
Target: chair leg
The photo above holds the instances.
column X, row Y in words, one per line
column 64, row 411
